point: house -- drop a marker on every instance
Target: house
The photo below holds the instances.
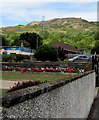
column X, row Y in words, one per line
column 68, row 49
column 16, row 50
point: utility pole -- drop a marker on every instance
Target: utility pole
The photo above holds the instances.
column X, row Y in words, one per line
column 42, row 23
column 37, row 43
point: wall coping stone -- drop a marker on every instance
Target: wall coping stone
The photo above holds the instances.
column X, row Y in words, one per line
column 19, row 96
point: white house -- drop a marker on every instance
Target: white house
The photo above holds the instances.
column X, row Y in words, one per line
column 16, row 50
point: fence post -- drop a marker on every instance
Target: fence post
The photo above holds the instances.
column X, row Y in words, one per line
column 95, row 66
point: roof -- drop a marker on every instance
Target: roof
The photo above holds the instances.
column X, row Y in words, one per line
column 25, row 49
column 65, row 47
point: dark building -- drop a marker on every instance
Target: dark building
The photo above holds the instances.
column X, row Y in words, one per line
column 68, row 49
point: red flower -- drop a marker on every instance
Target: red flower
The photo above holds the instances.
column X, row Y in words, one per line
column 21, row 69
column 69, row 70
column 54, row 69
column 32, row 69
column 37, row 69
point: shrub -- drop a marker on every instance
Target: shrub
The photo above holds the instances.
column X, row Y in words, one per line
column 88, row 67
column 25, row 84
column 8, row 58
column 95, row 48
column 45, row 53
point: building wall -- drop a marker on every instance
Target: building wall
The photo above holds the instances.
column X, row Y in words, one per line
column 70, row 98
column 17, row 50
column 13, row 51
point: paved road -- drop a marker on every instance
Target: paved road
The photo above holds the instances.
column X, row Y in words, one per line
column 94, row 112
column 6, row 84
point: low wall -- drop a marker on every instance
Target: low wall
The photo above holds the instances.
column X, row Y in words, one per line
column 70, row 98
column 73, row 65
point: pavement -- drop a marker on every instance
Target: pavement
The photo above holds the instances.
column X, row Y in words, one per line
column 4, row 84
column 94, row 111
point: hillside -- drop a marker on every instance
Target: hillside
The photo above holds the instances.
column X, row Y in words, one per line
column 76, row 23
column 67, row 22
column 74, row 31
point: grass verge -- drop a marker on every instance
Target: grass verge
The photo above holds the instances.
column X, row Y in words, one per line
column 3, row 91
column 50, row 77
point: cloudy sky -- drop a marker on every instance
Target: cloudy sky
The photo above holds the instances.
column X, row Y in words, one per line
column 22, row 12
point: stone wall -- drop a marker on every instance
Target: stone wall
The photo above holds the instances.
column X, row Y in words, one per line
column 70, row 98
column 73, row 65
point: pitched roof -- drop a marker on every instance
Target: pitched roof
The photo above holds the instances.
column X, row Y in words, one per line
column 65, row 47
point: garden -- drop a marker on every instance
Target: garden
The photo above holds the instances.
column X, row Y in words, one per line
column 30, row 76
column 28, row 79
column 37, row 69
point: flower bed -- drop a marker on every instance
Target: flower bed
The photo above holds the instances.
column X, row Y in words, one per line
column 37, row 69
column 41, row 69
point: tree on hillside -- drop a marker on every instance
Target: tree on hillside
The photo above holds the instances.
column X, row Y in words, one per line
column 12, row 38
column 19, row 42
column 46, row 52
column 96, row 35
column 44, row 34
column 4, row 41
column 95, row 48
column 33, row 39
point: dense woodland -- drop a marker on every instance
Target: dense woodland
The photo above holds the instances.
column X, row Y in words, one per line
column 77, row 32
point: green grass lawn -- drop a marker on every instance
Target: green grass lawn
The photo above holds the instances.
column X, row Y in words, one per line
column 50, row 77
column 3, row 91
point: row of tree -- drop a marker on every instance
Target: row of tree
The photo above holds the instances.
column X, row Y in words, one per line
column 36, row 41
column 96, row 46
column 31, row 40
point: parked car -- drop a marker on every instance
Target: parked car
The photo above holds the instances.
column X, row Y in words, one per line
column 79, row 58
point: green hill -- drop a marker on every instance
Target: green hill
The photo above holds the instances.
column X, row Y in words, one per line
column 74, row 31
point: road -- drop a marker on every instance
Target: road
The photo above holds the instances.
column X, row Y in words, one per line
column 4, row 84
column 94, row 112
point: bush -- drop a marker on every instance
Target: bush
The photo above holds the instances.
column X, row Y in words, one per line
column 8, row 58
column 96, row 48
column 20, row 58
column 24, row 84
column 45, row 53
column 88, row 67
column 61, row 54
column 14, row 58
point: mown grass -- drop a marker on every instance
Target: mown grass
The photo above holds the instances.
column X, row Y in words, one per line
column 50, row 77
column 3, row 91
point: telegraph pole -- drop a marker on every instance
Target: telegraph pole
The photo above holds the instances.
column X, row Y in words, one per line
column 37, row 43
column 43, row 20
